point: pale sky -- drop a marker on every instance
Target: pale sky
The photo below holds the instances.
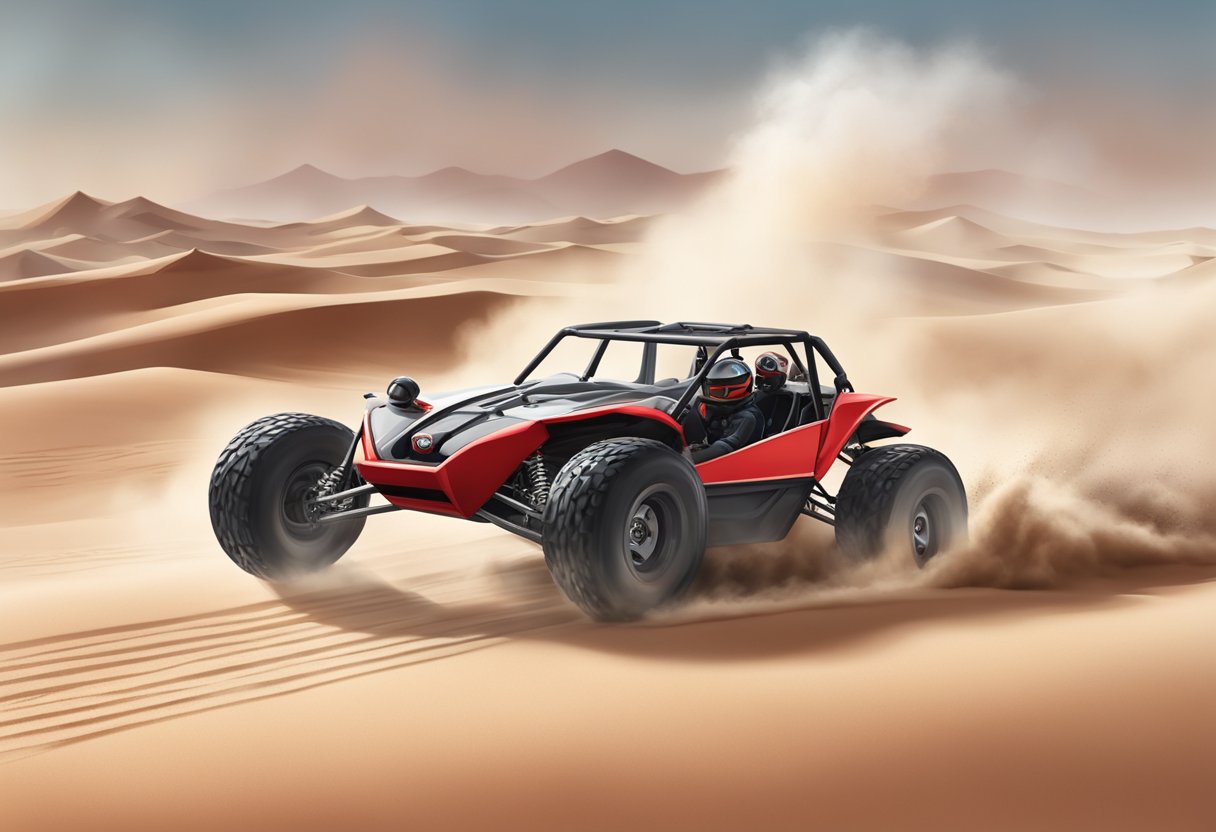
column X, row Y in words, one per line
column 174, row 99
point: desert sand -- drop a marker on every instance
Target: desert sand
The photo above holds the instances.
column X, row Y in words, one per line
column 1058, row 673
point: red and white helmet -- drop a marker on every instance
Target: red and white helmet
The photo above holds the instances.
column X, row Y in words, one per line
column 772, row 371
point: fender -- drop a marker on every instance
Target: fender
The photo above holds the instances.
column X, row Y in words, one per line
column 847, row 413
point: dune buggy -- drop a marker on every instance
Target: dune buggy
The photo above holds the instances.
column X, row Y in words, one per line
column 593, row 468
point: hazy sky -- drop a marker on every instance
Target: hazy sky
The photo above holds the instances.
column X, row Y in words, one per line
column 173, row 99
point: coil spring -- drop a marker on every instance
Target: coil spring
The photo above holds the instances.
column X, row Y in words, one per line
column 329, row 484
column 538, row 479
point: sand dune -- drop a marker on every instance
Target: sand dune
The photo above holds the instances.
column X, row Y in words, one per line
column 282, row 336
column 381, row 240
column 485, row 244
column 1022, row 195
column 179, row 241
column 1015, row 226
column 97, row 253
column 76, row 207
column 80, row 213
column 952, row 233
column 26, row 263
column 1031, row 247
column 1151, row 259
column 81, row 232
column 433, row 259
column 362, row 215
column 580, row 229
column 795, row 688
column 57, row 309
column 1203, row 271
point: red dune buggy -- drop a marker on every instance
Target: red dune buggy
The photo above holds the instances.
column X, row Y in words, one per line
column 593, row 468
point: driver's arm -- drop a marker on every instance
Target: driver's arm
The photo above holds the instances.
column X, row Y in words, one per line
column 743, row 425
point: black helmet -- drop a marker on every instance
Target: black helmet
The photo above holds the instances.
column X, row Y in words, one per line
column 771, row 371
column 728, row 383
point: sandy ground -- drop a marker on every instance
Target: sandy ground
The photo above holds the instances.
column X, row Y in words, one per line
column 436, row 679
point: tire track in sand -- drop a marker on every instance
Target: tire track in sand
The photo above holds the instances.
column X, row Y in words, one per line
column 66, row 689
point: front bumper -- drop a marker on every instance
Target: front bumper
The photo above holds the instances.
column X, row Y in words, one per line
column 461, row 484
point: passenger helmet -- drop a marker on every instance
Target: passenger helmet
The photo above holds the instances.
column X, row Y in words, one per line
column 772, row 371
column 728, row 382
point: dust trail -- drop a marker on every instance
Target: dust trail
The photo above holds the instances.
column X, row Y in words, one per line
column 1096, row 429
column 1081, row 431
column 858, row 122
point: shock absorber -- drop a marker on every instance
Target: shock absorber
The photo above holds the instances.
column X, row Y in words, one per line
column 538, row 479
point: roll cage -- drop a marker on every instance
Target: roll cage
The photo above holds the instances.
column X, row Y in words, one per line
column 712, row 340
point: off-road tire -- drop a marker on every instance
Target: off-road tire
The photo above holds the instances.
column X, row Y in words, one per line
column 249, row 495
column 882, row 495
column 596, row 498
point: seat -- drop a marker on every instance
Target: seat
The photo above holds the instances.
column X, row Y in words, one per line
column 827, row 395
column 777, row 408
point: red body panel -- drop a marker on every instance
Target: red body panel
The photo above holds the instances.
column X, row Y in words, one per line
column 847, row 412
column 786, row 455
column 805, row 451
column 468, row 477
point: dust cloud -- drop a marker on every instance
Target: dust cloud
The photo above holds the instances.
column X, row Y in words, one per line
column 1082, row 431
column 858, row 122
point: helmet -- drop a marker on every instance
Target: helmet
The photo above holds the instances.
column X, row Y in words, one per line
column 728, row 382
column 771, row 371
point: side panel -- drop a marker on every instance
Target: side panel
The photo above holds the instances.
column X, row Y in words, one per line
column 805, row 451
column 786, row 455
column 755, row 512
column 466, row 479
column 847, row 413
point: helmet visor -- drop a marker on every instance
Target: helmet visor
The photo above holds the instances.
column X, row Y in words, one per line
column 725, row 392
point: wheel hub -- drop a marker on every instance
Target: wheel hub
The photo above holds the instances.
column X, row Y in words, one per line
column 643, row 534
column 922, row 532
column 299, row 512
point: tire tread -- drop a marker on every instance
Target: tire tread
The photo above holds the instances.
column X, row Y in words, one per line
column 578, row 493
column 230, row 493
column 867, row 495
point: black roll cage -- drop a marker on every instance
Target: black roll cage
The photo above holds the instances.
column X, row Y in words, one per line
column 721, row 338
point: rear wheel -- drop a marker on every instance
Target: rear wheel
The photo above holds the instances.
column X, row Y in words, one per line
column 624, row 527
column 259, row 490
column 906, row 498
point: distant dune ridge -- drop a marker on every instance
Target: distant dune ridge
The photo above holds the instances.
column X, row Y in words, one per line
column 609, row 184
column 82, row 268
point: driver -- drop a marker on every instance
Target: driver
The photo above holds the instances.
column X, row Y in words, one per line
column 729, row 416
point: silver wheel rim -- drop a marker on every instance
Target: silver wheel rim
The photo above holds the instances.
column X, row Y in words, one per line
column 647, row 535
column 922, row 533
column 931, row 528
column 643, row 533
column 297, row 521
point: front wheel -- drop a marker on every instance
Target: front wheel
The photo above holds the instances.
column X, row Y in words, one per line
column 259, row 490
column 625, row 527
column 905, row 498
